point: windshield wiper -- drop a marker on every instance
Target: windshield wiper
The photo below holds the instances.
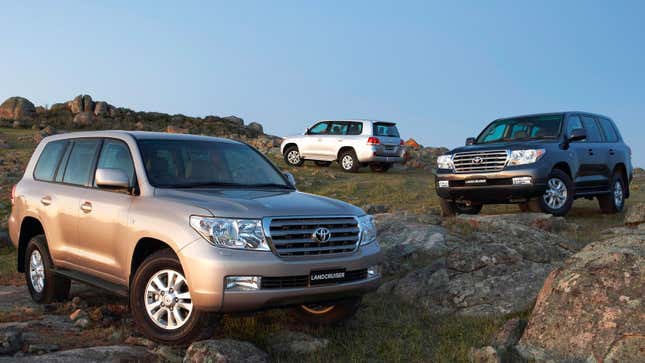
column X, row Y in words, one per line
column 267, row 185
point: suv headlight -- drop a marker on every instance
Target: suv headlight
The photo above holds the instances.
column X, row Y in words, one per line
column 231, row 233
column 529, row 156
column 444, row 162
column 368, row 229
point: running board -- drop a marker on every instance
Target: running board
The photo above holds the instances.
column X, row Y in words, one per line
column 111, row 287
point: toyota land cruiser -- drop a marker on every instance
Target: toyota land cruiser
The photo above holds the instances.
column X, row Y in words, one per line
column 353, row 143
column 542, row 162
column 186, row 226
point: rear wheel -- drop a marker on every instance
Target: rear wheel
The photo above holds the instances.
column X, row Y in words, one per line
column 348, row 161
column 43, row 284
column 380, row 167
column 327, row 314
column 292, row 156
column 614, row 202
column 558, row 197
column 323, row 164
column 161, row 303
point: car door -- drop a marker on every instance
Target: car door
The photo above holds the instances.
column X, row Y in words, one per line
column 313, row 141
column 613, row 150
column 103, row 224
column 334, row 140
column 586, row 152
column 598, row 152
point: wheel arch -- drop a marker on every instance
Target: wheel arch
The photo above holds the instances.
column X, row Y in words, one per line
column 29, row 228
column 144, row 248
column 622, row 170
column 288, row 145
column 564, row 166
column 343, row 149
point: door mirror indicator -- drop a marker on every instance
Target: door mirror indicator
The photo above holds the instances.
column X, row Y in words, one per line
column 577, row 134
column 470, row 141
column 111, row 178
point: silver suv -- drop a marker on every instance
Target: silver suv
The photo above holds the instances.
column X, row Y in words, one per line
column 186, row 226
column 353, row 143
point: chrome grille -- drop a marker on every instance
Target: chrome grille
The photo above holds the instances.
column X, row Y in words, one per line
column 480, row 161
column 294, row 236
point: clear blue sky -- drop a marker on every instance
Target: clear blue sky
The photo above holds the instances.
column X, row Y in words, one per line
column 442, row 70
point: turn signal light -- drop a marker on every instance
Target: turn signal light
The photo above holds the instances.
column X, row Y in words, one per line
column 402, row 143
column 373, row 140
column 13, row 194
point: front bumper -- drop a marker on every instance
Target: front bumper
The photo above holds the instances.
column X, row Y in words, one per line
column 206, row 268
column 497, row 187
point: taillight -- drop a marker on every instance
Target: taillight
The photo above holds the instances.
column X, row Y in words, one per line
column 373, row 140
column 13, row 194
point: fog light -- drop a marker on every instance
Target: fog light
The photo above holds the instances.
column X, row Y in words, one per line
column 373, row 271
column 443, row 184
column 522, row 180
column 243, row 283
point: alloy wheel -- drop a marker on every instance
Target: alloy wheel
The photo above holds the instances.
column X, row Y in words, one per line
column 37, row 271
column 618, row 194
column 293, row 156
column 556, row 194
column 167, row 300
column 347, row 162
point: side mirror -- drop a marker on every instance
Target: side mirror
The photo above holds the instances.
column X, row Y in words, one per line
column 307, row 131
column 111, row 178
column 577, row 134
column 291, row 178
column 470, row 141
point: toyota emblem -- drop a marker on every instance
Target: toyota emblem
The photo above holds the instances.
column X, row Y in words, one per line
column 321, row 234
column 478, row 160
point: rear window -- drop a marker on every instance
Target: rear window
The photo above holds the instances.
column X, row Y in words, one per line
column 385, row 129
column 593, row 134
column 48, row 161
column 80, row 163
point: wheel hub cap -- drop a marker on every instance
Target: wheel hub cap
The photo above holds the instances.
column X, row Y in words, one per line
column 293, row 157
column 556, row 194
column 348, row 162
column 167, row 300
column 618, row 194
column 37, row 271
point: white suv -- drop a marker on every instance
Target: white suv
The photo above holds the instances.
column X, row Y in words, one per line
column 353, row 143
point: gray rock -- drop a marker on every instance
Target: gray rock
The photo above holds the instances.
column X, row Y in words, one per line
column 485, row 354
column 42, row 348
column 235, row 120
column 10, row 340
column 224, row 351
column 17, row 108
column 114, row 353
column 256, row 127
column 83, row 323
column 101, row 108
column 635, row 214
column 296, row 343
column 83, row 118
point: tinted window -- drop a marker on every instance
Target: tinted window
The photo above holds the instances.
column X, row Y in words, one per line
column 79, row 164
column 355, row 128
column 191, row 163
column 593, row 134
column 523, row 128
column 116, row 155
column 609, row 130
column 573, row 123
column 338, row 128
column 48, row 161
column 320, row 128
column 385, row 129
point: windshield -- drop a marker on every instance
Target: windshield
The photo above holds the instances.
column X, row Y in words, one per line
column 522, row 128
column 385, row 129
column 191, row 163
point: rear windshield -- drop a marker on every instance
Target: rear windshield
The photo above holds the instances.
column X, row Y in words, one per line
column 385, row 129
column 522, row 128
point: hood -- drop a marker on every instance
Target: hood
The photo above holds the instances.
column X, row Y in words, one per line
column 510, row 145
column 259, row 203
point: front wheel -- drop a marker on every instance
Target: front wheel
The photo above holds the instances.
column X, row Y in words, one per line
column 292, row 156
column 161, row 303
column 43, row 284
column 558, row 196
column 327, row 314
column 614, row 202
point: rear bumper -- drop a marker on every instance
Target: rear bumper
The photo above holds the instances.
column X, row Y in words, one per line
column 496, row 187
column 206, row 268
column 376, row 154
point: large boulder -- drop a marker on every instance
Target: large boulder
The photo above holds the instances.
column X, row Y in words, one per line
column 591, row 309
column 17, row 108
column 635, row 214
column 83, row 118
column 293, row 342
column 494, row 268
column 224, row 351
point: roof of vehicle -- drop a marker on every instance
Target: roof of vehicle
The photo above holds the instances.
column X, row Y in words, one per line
column 355, row 120
column 553, row 113
column 139, row 135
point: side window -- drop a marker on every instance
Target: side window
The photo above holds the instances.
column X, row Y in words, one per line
column 593, row 133
column 80, row 162
column 573, row 123
column 319, row 129
column 116, row 155
column 609, row 130
column 48, row 161
column 338, row 128
column 355, row 128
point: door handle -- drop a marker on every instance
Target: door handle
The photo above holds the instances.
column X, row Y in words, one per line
column 590, row 151
column 612, row 152
column 46, row 200
column 86, row 207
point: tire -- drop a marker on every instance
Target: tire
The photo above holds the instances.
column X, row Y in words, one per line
column 532, row 205
column 45, row 286
column 348, row 161
column 468, row 209
column 196, row 325
column 558, row 197
column 327, row 315
column 322, row 164
column 292, row 156
column 447, row 207
column 380, row 167
column 614, row 202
